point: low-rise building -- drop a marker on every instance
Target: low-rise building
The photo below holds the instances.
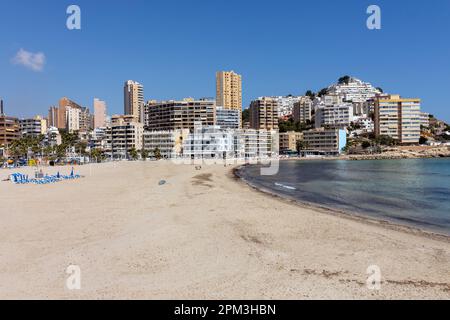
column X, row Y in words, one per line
column 210, row 143
column 215, row 143
column 288, row 141
column 169, row 143
column 324, row 141
column 33, row 127
column 9, row 130
column 52, row 137
column 258, row 144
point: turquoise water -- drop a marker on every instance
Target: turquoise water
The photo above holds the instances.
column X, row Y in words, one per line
column 413, row 192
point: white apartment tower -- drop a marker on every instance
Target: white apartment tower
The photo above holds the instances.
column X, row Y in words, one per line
column 73, row 119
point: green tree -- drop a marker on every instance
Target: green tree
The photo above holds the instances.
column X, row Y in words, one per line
column 365, row 144
column 157, row 154
column 344, row 80
column 144, row 154
column 97, row 155
column 423, row 140
column 386, row 141
column 301, row 145
column 246, row 115
column 310, row 94
column 323, row 92
column 80, row 147
column 134, row 154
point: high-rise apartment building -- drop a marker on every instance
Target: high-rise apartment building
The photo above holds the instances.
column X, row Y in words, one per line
column 302, row 111
column 176, row 115
column 99, row 113
column 337, row 116
column 398, row 118
column 124, row 135
column 57, row 116
column 86, row 120
column 63, row 104
column 134, row 99
column 264, row 114
column 229, row 90
column 72, row 119
column 52, row 119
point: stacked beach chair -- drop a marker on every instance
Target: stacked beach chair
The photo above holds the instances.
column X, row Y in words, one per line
column 18, row 178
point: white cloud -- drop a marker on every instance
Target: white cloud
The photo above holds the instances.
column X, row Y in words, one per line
column 30, row 60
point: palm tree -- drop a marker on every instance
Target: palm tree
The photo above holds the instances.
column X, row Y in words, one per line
column 144, row 154
column 157, row 154
column 134, row 154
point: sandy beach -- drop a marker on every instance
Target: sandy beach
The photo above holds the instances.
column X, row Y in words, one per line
column 202, row 235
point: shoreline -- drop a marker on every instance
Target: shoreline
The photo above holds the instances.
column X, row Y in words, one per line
column 391, row 225
column 204, row 234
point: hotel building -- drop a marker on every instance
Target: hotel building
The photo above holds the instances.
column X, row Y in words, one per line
column 99, row 113
column 229, row 90
column 302, row 111
column 264, row 114
column 398, row 118
column 125, row 134
column 134, row 99
column 324, row 142
column 177, row 115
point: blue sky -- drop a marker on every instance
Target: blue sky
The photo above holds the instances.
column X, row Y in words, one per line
column 175, row 47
